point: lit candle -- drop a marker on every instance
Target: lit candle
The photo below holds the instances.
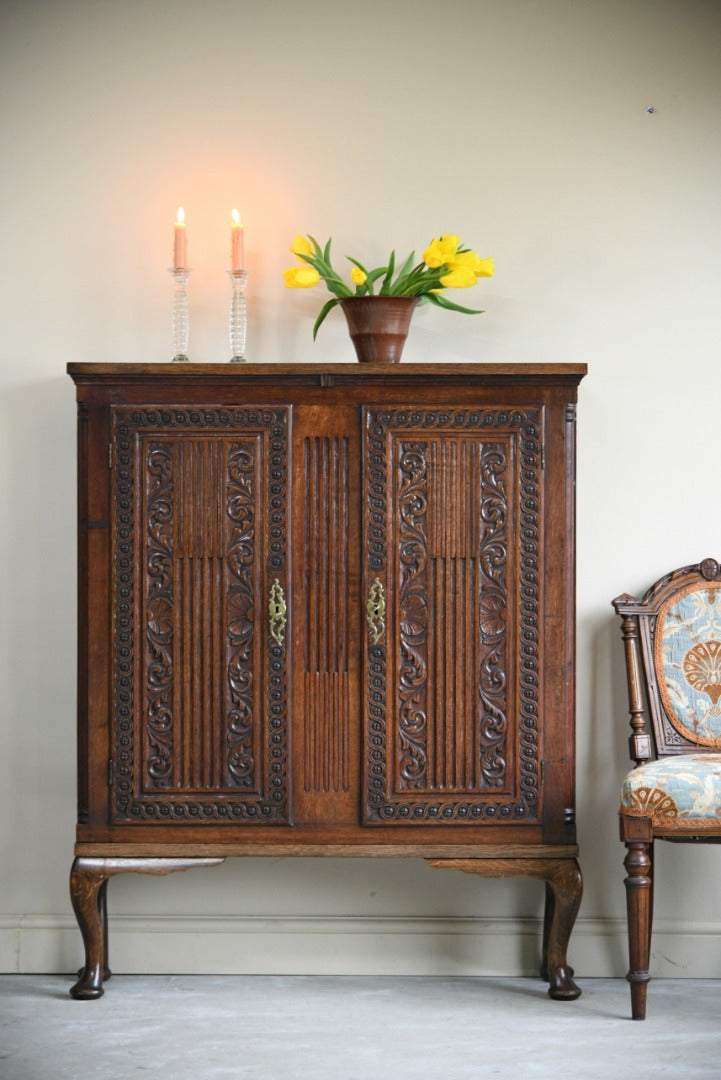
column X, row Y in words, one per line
column 180, row 241
column 237, row 243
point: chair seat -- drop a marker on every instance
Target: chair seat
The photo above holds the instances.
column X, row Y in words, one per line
column 680, row 792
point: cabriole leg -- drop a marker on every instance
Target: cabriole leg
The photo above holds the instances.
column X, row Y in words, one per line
column 88, row 889
column 86, row 879
column 103, row 911
column 564, row 888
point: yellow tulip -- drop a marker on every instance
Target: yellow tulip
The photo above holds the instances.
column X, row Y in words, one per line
column 462, row 277
column 441, row 251
column 485, row 268
column 301, row 246
column 357, row 276
column 471, row 259
column 301, row 277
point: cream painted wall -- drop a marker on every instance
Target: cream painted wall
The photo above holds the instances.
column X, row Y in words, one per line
column 523, row 125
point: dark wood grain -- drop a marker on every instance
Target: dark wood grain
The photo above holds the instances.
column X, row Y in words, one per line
column 203, row 734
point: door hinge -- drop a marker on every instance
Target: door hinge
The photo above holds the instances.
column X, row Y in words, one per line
column 543, row 458
column 110, row 455
column 543, row 773
column 111, row 772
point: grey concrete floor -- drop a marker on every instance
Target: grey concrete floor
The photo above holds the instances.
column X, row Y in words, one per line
column 354, row 1028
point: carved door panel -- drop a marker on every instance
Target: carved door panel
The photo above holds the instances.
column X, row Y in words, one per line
column 453, row 537
column 199, row 627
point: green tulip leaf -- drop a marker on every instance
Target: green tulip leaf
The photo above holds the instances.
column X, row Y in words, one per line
column 358, row 264
column 323, row 312
column 385, row 287
column 405, row 272
column 440, row 301
column 338, row 288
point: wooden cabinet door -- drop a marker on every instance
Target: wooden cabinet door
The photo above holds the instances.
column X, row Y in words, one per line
column 453, row 537
column 199, row 717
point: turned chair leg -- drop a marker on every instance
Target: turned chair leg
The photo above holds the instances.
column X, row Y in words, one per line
column 639, row 867
column 651, row 891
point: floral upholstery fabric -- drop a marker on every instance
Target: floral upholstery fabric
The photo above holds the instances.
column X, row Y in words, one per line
column 676, row 791
column 688, row 663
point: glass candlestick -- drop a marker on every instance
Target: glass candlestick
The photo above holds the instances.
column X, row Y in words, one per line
column 181, row 321
column 238, row 320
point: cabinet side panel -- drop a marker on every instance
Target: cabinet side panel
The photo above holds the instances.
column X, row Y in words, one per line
column 94, row 612
column 560, row 622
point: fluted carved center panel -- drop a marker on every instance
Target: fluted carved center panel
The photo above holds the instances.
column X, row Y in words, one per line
column 200, row 527
column 452, row 470
column 327, row 615
column 449, row 493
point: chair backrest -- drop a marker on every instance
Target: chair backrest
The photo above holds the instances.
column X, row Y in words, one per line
column 672, row 639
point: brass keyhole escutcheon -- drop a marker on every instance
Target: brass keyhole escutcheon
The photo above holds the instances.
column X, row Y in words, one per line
column 376, row 610
column 277, row 613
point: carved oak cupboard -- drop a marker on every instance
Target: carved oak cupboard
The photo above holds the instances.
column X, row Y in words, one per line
column 326, row 609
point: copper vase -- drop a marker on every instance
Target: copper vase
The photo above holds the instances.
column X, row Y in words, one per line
column 378, row 326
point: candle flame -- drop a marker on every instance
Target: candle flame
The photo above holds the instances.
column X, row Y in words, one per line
column 236, row 217
column 181, row 215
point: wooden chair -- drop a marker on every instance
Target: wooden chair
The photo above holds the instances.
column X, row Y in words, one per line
column 672, row 639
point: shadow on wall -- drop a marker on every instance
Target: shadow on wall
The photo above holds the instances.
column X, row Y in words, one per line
column 603, row 762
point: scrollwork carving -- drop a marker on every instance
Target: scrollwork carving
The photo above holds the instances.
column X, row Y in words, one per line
column 240, row 498
column 493, row 560
column 159, row 607
column 413, row 608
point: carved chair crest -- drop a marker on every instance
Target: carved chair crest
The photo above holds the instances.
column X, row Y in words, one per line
column 672, row 638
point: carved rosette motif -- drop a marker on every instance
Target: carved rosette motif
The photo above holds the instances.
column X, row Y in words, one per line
column 146, row 493
column 500, row 454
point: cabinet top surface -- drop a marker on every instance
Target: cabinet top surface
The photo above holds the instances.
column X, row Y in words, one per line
column 82, row 372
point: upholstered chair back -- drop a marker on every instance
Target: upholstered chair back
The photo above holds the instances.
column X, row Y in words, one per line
column 677, row 625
